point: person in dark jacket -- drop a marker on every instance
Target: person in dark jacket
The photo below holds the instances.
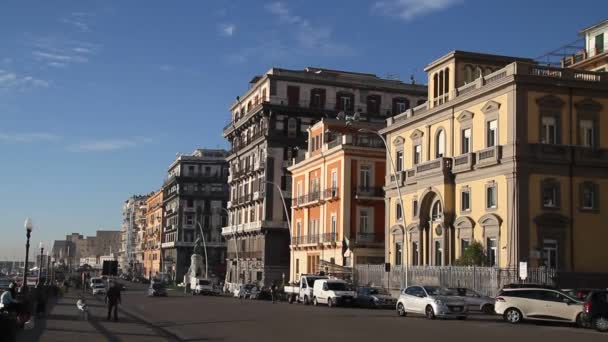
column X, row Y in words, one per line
column 113, row 299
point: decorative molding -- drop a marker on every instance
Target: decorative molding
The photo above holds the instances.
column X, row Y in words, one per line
column 398, row 141
column 465, row 116
column 417, row 134
column 550, row 102
column 490, row 220
column 588, row 105
column 490, row 106
column 464, row 222
column 552, row 220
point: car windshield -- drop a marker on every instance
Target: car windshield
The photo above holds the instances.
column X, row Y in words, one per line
column 338, row 287
column 249, row 287
column 204, row 282
column 438, row 291
column 99, row 286
column 375, row 291
column 311, row 281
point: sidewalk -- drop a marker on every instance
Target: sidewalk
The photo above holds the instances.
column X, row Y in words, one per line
column 64, row 324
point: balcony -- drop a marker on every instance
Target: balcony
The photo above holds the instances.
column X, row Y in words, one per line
column 463, row 163
column 410, row 176
column 550, row 153
column 369, row 192
column 309, row 199
column 488, row 156
column 398, row 178
column 369, row 238
column 586, row 156
column 439, row 166
column 331, row 194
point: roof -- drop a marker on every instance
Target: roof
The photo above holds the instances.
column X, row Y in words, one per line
column 594, row 26
column 476, row 55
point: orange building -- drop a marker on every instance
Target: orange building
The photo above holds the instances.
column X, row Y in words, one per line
column 152, row 235
column 338, row 199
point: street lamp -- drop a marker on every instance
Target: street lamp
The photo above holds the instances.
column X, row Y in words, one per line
column 41, row 246
column 390, row 158
column 236, row 247
column 284, row 207
column 29, row 226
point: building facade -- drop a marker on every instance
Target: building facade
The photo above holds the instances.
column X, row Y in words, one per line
column 505, row 152
column 133, row 224
column 153, row 235
column 194, row 199
column 338, row 200
column 267, row 129
column 594, row 56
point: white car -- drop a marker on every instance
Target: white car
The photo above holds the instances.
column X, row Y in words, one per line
column 99, row 289
column 431, row 301
column 204, row 286
column 247, row 291
column 518, row 304
column 332, row 292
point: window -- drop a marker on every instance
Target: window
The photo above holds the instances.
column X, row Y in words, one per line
column 189, row 219
column 317, row 98
column 190, row 203
column 465, row 200
column 364, row 220
column 438, row 253
column 415, row 208
column 417, row 154
column 398, row 253
column 298, row 229
column 549, row 130
column 491, row 131
column 491, row 252
column 550, row 253
column 437, row 211
column 365, row 176
column 491, row 196
column 299, row 191
column 297, row 266
column 468, row 74
column 373, row 104
column 587, row 137
column 400, row 105
column 589, row 196
column 292, row 127
column 415, row 253
column 293, row 96
column 465, row 145
column 334, row 225
column 399, row 161
column 550, row 194
column 464, row 244
column 399, row 211
column 599, row 43
column 191, row 170
column 440, row 144
column 345, row 102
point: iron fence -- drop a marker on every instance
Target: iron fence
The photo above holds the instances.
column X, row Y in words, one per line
column 485, row 280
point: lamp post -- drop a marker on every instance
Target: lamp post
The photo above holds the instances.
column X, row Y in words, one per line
column 41, row 246
column 284, row 207
column 236, row 246
column 48, row 268
column 390, row 158
column 29, row 226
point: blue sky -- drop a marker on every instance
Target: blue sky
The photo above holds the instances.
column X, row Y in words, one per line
column 96, row 97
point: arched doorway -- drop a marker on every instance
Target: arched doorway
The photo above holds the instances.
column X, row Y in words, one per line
column 433, row 239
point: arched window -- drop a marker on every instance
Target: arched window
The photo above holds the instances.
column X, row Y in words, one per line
column 263, row 94
column 440, row 83
column 399, row 212
column 477, row 72
column 440, row 144
column 249, row 106
column 437, row 211
column 446, row 81
column 468, row 74
column 435, row 85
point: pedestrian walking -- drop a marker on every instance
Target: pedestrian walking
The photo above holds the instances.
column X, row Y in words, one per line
column 273, row 291
column 113, row 299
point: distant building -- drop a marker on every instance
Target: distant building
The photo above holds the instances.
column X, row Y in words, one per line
column 594, row 56
column 153, row 235
column 133, row 225
column 195, row 193
column 76, row 247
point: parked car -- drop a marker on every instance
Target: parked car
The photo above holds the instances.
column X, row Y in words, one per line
column 332, row 292
column 431, row 301
column 96, row 281
column 374, row 298
column 580, row 294
column 247, row 291
column 543, row 304
column 157, row 290
column 202, row 286
column 474, row 300
column 596, row 310
column 302, row 292
column 99, row 289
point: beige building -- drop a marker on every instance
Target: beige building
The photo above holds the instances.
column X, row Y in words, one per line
column 153, row 235
column 594, row 56
column 505, row 152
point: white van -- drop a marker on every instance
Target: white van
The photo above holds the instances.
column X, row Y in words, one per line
column 332, row 292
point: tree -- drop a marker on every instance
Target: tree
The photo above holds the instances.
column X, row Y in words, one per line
column 473, row 255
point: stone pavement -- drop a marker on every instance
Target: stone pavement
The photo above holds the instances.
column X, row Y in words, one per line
column 64, row 324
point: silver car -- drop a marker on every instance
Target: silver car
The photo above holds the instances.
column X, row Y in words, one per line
column 474, row 300
column 431, row 301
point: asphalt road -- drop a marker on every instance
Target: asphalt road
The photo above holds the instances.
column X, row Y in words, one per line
column 200, row 318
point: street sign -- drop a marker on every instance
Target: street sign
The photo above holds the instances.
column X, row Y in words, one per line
column 523, row 270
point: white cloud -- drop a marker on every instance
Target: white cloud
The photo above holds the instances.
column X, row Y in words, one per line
column 79, row 20
column 59, row 58
column 11, row 80
column 28, row 137
column 58, row 52
column 410, row 9
column 228, row 30
column 108, row 145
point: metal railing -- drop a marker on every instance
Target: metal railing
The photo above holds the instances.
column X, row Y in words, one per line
column 369, row 237
column 369, row 191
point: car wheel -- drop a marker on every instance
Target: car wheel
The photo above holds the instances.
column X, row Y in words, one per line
column 290, row 299
column 513, row 316
column 488, row 309
column 580, row 322
column 306, row 301
column 330, row 303
column 372, row 304
column 315, row 302
column 601, row 324
column 429, row 312
column 401, row 310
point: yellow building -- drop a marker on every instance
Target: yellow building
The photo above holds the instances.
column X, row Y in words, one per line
column 153, row 235
column 505, row 152
column 337, row 213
